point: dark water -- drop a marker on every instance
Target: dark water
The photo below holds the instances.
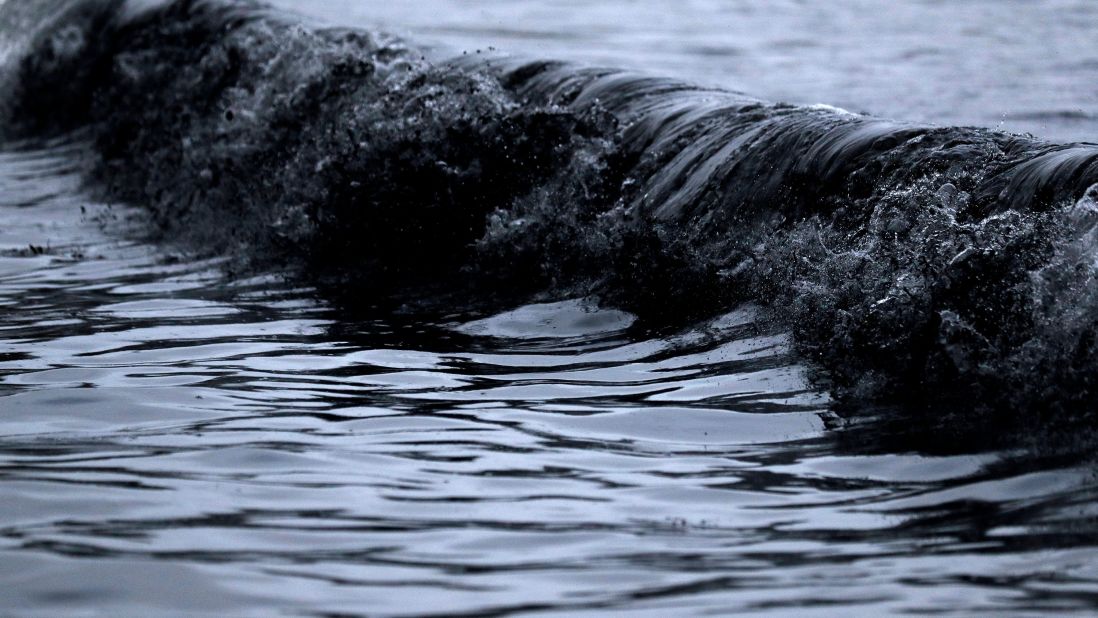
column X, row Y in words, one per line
column 178, row 438
column 177, row 442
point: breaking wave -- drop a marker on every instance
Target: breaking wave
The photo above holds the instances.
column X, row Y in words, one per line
column 950, row 268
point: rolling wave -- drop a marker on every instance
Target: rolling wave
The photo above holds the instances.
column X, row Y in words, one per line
column 913, row 262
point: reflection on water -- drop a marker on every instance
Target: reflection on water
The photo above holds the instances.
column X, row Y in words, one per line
column 171, row 440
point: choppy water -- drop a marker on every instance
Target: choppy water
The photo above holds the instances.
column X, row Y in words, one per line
column 173, row 440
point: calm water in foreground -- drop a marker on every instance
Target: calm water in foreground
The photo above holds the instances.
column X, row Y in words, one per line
column 176, row 441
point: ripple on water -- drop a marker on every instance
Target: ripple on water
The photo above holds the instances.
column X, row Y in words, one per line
column 174, row 441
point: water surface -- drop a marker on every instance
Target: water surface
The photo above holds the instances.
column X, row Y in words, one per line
column 174, row 439
column 1023, row 66
column 179, row 441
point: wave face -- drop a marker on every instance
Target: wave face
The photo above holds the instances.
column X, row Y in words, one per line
column 929, row 264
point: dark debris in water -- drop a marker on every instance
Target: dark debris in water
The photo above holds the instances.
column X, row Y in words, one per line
column 947, row 268
column 58, row 253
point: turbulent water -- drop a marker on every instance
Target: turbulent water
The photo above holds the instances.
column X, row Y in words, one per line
column 328, row 321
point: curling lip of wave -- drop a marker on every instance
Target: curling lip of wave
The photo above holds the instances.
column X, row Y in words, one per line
column 758, row 152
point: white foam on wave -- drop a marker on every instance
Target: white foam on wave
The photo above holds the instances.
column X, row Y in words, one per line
column 569, row 318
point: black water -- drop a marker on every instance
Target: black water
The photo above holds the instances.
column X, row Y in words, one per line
column 218, row 398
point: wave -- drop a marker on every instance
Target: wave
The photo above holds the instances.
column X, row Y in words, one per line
column 927, row 264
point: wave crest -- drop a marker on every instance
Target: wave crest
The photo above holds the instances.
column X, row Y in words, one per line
column 936, row 264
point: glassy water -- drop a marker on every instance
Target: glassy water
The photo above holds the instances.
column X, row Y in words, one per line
column 174, row 440
column 177, row 441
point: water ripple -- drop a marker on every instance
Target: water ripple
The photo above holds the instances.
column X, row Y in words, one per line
column 171, row 440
